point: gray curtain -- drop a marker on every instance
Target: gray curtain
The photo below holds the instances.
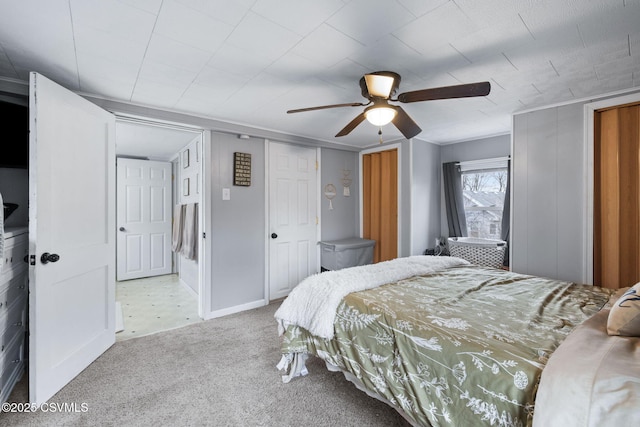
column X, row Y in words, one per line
column 452, row 179
column 506, row 214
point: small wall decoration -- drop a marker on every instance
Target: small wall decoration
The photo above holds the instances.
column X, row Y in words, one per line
column 242, row 169
column 330, row 193
column 346, row 182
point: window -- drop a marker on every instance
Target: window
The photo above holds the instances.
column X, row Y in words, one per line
column 483, row 194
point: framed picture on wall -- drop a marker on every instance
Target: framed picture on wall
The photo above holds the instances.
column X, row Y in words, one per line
column 185, row 159
column 242, row 169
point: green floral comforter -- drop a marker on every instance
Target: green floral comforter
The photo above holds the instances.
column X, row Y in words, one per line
column 465, row 346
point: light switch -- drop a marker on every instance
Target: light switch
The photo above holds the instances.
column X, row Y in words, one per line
column 226, row 194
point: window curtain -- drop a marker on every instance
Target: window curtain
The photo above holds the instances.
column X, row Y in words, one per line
column 506, row 215
column 452, row 179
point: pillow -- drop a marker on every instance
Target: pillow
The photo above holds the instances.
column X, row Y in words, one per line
column 624, row 317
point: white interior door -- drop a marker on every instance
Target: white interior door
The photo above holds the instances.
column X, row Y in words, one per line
column 71, row 218
column 292, row 216
column 144, row 218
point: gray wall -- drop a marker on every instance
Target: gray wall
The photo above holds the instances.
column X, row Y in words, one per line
column 238, row 225
column 404, row 216
column 344, row 220
column 478, row 149
column 485, row 148
column 425, row 196
column 548, row 197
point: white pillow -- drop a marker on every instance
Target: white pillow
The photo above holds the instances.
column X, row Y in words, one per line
column 624, row 317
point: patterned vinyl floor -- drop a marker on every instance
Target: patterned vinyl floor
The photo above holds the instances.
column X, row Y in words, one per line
column 154, row 304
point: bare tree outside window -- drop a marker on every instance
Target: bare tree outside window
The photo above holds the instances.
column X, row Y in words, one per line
column 483, row 193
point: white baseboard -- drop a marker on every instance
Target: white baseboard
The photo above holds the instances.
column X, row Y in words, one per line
column 188, row 288
column 236, row 309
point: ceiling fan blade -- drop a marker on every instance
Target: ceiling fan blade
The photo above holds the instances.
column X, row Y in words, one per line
column 446, row 92
column 352, row 125
column 405, row 124
column 323, row 107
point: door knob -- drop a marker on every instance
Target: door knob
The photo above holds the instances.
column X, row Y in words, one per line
column 274, row 236
column 121, row 228
column 47, row 257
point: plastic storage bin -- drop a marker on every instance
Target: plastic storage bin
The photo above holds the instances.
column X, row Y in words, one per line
column 351, row 252
column 487, row 252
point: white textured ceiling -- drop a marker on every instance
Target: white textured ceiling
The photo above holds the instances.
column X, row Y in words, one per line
column 248, row 61
column 151, row 141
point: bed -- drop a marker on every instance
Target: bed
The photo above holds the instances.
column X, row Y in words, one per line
column 445, row 342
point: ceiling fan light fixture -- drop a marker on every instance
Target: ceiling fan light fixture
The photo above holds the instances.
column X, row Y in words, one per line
column 380, row 116
column 379, row 85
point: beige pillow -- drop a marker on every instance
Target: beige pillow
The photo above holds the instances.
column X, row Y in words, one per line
column 624, row 317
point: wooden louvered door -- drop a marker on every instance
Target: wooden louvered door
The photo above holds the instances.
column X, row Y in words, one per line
column 380, row 202
column 617, row 196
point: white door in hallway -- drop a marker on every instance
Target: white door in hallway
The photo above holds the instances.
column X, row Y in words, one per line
column 71, row 235
column 292, row 217
column 144, row 218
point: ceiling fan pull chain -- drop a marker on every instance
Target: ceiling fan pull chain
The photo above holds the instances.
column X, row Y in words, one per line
column 380, row 133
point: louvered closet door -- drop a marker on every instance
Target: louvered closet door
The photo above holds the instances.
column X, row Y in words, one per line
column 380, row 202
column 617, row 197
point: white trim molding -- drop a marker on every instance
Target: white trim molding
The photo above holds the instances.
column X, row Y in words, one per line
column 236, row 309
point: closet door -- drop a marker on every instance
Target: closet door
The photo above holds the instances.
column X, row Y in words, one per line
column 293, row 210
column 380, row 202
column 617, row 197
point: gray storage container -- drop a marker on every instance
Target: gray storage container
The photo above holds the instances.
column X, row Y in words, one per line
column 337, row 254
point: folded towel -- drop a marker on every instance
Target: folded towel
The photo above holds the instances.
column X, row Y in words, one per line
column 178, row 225
column 190, row 232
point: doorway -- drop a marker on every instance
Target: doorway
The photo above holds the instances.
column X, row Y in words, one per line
column 75, row 322
column 157, row 287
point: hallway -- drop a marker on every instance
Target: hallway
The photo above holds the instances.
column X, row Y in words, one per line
column 154, row 304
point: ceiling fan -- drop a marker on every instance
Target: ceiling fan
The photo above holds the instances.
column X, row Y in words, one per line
column 379, row 88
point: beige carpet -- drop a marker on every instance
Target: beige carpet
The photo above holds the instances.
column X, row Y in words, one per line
column 219, row 372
